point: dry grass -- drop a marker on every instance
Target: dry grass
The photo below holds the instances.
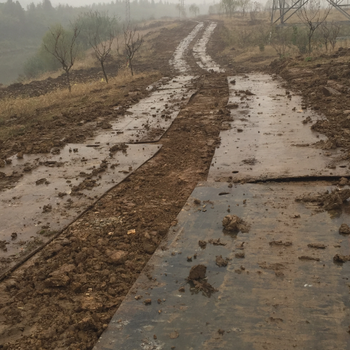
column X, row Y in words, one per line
column 29, row 111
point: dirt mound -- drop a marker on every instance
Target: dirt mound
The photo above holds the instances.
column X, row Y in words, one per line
column 327, row 201
column 197, row 278
column 234, row 224
column 325, row 84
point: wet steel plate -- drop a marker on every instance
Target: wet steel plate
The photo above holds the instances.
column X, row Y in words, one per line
column 271, row 135
column 149, row 119
column 270, row 299
column 57, row 190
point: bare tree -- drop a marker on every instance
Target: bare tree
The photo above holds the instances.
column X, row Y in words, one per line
column 194, row 10
column 313, row 15
column 244, row 4
column 182, row 10
column 281, row 40
column 254, row 11
column 229, row 6
column 132, row 44
column 334, row 32
column 325, row 33
column 62, row 44
column 101, row 31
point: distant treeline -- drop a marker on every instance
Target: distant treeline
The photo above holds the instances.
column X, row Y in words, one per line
column 17, row 23
column 22, row 30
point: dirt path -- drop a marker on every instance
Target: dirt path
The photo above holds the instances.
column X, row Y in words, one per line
column 64, row 297
column 150, row 266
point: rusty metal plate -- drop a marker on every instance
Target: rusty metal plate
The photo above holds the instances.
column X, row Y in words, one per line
column 270, row 136
column 270, row 299
column 148, row 120
column 57, row 190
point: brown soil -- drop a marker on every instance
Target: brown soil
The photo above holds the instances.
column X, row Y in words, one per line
column 64, row 297
column 221, row 262
column 327, row 201
column 325, row 84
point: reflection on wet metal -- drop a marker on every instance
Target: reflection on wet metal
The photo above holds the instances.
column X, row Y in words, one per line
column 270, row 135
column 200, row 51
column 178, row 61
column 268, row 297
column 57, row 190
column 148, row 120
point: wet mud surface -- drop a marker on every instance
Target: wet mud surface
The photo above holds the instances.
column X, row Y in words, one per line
column 168, row 260
column 64, row 296
column 270, row 136
column 264, row 291
column 57, row 191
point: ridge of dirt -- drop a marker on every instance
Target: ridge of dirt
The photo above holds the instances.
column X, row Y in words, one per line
column 64, row 297
column 324, row 83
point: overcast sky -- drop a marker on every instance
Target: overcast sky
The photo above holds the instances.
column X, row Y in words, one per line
column 77, row 3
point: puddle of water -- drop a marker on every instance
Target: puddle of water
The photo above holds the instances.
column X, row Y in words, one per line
column 264, row 297
column 178, row 61
column 48, row 198
column 148, row 120
column 268, row 139
column 200, row 51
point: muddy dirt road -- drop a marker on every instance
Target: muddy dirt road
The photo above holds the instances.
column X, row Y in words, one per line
column 106, row 259
column 184, row 253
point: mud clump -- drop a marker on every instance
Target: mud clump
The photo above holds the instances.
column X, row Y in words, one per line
column 311, row 258
column 327, row 201
column 216, row 242
column 120, row 147
column 317, row 246
column 202, row 244
column 341, row 258
column 344, row 229
column 280, row 243
column 197, row 279
column 197, row 272
column 221, row 262
column 234, row 224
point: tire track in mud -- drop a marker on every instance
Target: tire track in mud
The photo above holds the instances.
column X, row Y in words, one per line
column 200, row 51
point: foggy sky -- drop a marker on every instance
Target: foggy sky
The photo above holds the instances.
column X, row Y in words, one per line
column 77, row 3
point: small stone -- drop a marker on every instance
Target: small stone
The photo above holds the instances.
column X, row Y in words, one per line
column 147, row 301
column 174, row 335
column 343, row 181
column 118, row 257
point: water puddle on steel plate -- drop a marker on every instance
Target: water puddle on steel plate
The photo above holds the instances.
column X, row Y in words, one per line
column 271, row 136
column 57, row 190
column 200, row 51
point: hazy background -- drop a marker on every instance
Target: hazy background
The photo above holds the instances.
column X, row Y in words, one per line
column 23, row 24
